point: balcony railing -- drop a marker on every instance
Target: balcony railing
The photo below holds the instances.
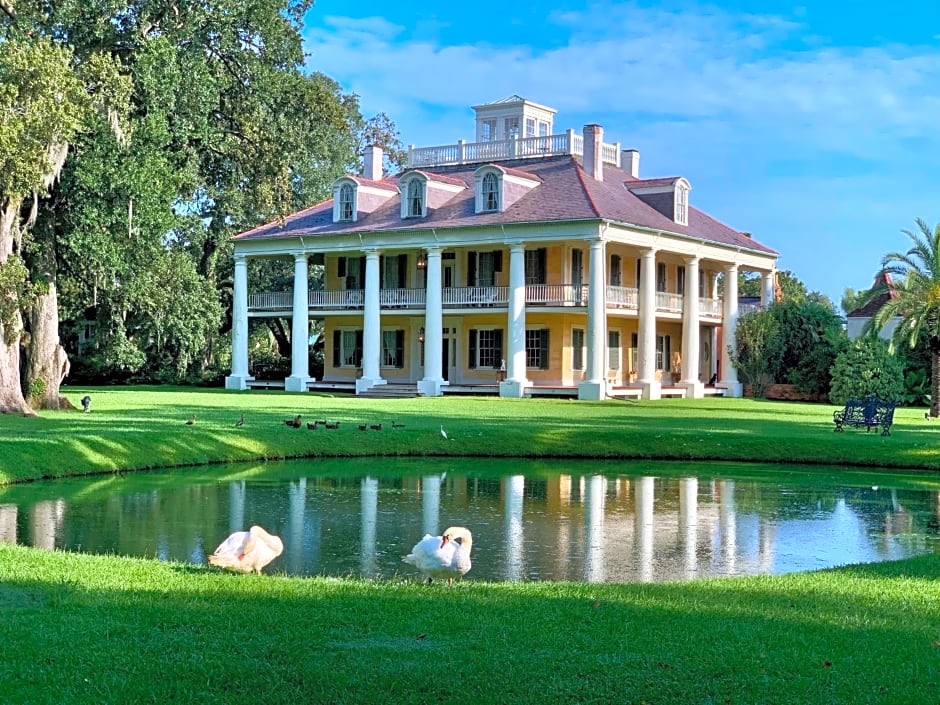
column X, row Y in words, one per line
column 516, row 148
column 622, row 297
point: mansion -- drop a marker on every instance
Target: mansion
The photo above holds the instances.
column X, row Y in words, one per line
column 524, row 262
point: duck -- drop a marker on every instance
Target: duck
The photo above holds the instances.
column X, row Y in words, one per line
column 192, row 420
column 446, row 556
column 241, row 420
column 247, row 551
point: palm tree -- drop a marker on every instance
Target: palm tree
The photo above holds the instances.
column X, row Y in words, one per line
column 915, row 299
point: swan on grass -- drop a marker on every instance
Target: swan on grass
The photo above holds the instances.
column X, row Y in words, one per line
column 247, row 551
column 446, row 556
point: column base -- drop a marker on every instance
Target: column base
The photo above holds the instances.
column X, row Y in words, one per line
column 592, row 391
column 513, row 388
column 297, row 384
column 694, row 390
column 364, row 384
column 734, row 390
column 237, row 381
column 431, row 387
column 651, row 390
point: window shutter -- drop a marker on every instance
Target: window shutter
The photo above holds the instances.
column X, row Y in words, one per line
column 362, row 272
column 383, row 281
column 634, row 340
column 499, row 348
column 497, row 260
column 336, row 354
column 473, row 349
column 543, row 256
column 341, row 267
column 543, row 348
column 358, row 354
column 471, row 268
column 399, row 348
column 667, row 362
column 402, row 271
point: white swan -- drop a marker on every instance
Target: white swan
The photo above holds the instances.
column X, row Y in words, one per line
column 247, row 551
column 446, row 556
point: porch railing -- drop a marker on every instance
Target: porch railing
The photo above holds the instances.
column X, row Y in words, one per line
column 483, row 296
column 516, row 148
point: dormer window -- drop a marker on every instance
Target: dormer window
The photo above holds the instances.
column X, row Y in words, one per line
column 682, row 203
column 414, row 204
column 347, row 197
column 490, row 192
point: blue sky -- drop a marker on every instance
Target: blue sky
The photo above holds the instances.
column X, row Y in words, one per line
column 814, row 126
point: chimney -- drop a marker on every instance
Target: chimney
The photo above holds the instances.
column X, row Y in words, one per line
column 630, row 162
column 372, row 163
column 593, row 143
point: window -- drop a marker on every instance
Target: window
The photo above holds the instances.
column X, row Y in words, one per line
column 392, row 271
column 613, row 349
column 490, row 192
column 536, row 349
column 616, row 276
column 350, row 270
column 577, row 267
column 393, row 348
column 682, row 205
column 488, row 131
column 482, row 267
column 512, row 127
column 662, row 353
column 535, row 266
column 415, row 206
column 543, row 129
column 346, row 198
column 577, row 349
column 530, row 127
column 486, row 348
column 634, row 352
column 661, row 277
column 347, row 348
column 680, row 280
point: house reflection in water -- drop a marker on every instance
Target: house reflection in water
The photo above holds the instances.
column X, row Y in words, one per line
column 591, row 527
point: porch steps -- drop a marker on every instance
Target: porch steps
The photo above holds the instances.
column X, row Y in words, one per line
column 391, row 391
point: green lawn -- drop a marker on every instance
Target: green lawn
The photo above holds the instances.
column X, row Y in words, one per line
column 134, row 428
column 103, row 629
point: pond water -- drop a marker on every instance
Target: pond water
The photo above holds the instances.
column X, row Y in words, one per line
column 531, row 520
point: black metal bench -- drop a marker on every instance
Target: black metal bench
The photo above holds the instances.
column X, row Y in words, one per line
column 870, row 412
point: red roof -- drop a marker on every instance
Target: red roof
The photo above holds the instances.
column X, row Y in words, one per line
column 566, row 193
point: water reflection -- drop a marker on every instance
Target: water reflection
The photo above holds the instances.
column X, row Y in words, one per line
column 558, row 522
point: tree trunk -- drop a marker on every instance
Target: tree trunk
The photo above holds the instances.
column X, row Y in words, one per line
column 11, row 327
column 935, row 378
column 47, row 363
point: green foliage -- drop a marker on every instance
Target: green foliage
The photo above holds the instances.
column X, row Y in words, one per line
column 852, row 299
column 756, row 355
column 916, row 388
column 809, row 335
column 13, row 291
column 37, row 389
column 864, row 367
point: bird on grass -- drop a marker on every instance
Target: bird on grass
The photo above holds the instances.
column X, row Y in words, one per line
column 445, row 557
column 313, row 426
column 395, row 424
column 294, row 422
column 443, row 433
column 191, row 421
column 331, row 426
column 927, row 415
column 363, row 427
column 241, row 420
column 376, row 426
column 247, row 551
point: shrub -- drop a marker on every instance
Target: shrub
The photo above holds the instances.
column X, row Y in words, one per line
column 866, row 366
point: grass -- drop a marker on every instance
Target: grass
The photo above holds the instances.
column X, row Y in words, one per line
column 99, row 629
column 104, row 629
column 133, row 428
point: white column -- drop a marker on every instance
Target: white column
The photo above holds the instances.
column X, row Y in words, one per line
column 595, row 386
column 300, row 330
column 433, row 382
column 513, row 497
column 239, row 376
column 646, row 337
column 644, row 528
column 371, row 327
column 729, row 322
column 369, row 490
column 688, row 525
column 767, row 288
column 516, row 381
column 595, row 570
column 691, row 345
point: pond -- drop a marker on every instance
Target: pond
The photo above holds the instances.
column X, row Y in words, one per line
column 531, row 520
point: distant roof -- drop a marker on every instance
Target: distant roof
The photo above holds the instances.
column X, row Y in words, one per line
column 886, row 286
column 513, row 99
column 566, row 193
